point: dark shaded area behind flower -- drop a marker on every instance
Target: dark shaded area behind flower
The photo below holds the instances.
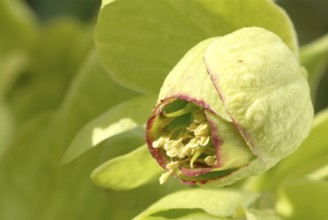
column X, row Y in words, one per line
column 311, row 21
column 50, row 9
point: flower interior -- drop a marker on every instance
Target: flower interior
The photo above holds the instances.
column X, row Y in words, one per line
column 184, row 138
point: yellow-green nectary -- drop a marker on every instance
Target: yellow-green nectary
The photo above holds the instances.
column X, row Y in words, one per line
column 232, row 107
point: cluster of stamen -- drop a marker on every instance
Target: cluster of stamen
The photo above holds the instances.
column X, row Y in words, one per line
column 186, row 145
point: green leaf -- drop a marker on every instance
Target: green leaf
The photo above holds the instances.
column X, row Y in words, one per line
column 192, row 216
column 12, row 65
column 314, row 57
column 17, row 187
column 220, row 203
column 128, row 171
column 253, row 214
column 123, row 117
column 6, row 128
column 139, row 57
column 303, row 200
column 311, row 156
column 319, row 174
column 48, row 190
column 202, row 216
column 33, row 181
column 18, row 26
column 91, row 93
column 62, row 46
column 105, row 2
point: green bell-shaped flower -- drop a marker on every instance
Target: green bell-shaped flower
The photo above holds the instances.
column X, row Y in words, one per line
column 232, row 107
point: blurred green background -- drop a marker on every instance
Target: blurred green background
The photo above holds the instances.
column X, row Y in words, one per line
column 53, row 74
column 50, row 9
column 309, row 17
column 56, row 68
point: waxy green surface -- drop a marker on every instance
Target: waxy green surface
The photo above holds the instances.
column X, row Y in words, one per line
column 251, row 80
column 140, row 49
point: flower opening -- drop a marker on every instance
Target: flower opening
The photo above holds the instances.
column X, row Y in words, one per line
column 229, row 119
column 184, row 137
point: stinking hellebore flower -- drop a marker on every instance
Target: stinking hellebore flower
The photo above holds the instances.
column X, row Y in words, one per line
column 232, row 107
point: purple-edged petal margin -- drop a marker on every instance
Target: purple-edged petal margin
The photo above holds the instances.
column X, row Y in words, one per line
column 255, row 100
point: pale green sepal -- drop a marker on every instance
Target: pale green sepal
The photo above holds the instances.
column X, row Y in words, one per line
column 233, row 150
column 264, row 90
column 221, row 203
column 128, row 171
column 307, row 160
column 124, row 117
column 256, row 166
column 197, row 85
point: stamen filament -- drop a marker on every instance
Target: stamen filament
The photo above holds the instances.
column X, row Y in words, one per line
column 209, row 150
column 175, row 130
column 188, row 108
column 165, row 121
column 173, row 165
column 185, row 140
column 197, row 153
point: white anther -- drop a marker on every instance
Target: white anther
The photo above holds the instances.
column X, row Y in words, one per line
column 160, row 142
column 174, row 148
column 164, row 177
column 203, row 141
column 192, row 127
column 173, row 165
column 201, row 130
column 210, row 160
column 199, row 117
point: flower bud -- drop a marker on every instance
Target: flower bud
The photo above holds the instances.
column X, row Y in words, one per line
column 232, row 107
